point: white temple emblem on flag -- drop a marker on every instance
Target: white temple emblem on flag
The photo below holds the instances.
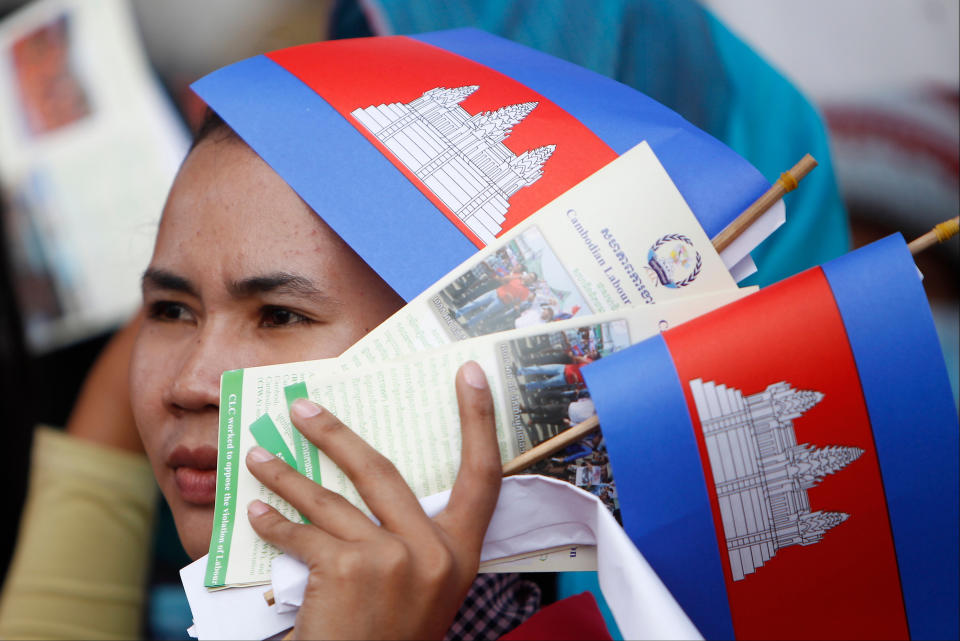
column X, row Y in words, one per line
column 459, row 157
column 760, row 474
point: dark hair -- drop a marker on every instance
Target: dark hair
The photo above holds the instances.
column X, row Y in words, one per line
column 212, row 124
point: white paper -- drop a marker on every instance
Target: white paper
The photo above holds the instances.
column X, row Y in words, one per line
column 530, row 511
column 236, row 613
column 534, row 511
column 742, row 245
column 746, row 267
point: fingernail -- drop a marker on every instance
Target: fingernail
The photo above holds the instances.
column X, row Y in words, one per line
column 256, row 508
column 474, row 376
column 259, row 454
column 305, row 408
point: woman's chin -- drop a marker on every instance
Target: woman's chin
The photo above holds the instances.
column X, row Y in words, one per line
column 194, row 525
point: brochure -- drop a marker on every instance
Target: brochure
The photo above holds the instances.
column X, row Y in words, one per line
column 89, row 146
column 622, row 237
column 407, row 409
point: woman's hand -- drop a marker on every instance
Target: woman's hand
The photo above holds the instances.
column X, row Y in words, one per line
column 403, row 579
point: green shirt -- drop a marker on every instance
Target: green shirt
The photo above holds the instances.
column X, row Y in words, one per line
column 81, row 561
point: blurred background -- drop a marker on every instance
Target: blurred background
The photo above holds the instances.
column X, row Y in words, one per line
column 96, row 113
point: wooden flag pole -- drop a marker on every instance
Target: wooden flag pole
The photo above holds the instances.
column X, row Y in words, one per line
column 539, row 452
column 939, row 234
column 786, row 183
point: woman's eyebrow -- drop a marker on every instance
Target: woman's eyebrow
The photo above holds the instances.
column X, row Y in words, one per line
column 276, row 282
column 163, row 279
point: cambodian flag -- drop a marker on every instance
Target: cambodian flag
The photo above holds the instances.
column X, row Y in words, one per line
column 788, row 463
column 384, row 137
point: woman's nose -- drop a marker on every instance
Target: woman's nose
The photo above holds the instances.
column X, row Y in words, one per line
column 196, row 386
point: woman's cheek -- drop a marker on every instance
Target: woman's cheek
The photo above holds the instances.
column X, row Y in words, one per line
column 149, row 375
column 303, row 344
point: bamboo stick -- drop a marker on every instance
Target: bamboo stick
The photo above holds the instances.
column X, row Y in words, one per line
column 550, row 446
column 939, row 234
column 786, row 183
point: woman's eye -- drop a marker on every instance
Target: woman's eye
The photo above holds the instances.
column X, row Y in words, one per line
column 169, row 311
column 280, row 317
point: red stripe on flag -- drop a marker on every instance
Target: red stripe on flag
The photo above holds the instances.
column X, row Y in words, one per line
column 362, row 73
column 846, row 585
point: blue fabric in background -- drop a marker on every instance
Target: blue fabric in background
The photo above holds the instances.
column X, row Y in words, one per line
column 677, row 53
column 771, row 124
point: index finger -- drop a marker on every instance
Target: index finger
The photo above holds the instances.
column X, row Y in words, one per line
column 375, row 478
column 475, row 492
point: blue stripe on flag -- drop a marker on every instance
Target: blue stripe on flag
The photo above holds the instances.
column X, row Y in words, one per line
column 660, row 480
column 716, row 182
column 914, row 421
column 393, row 227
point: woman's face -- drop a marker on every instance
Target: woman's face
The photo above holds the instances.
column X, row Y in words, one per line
column 243, row 274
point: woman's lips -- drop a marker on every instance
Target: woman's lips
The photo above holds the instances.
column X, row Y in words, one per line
column 196, row 486
column 195, row 471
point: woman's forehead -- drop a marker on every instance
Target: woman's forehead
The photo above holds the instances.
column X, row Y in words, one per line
column 226, row 173
column 230, row 215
